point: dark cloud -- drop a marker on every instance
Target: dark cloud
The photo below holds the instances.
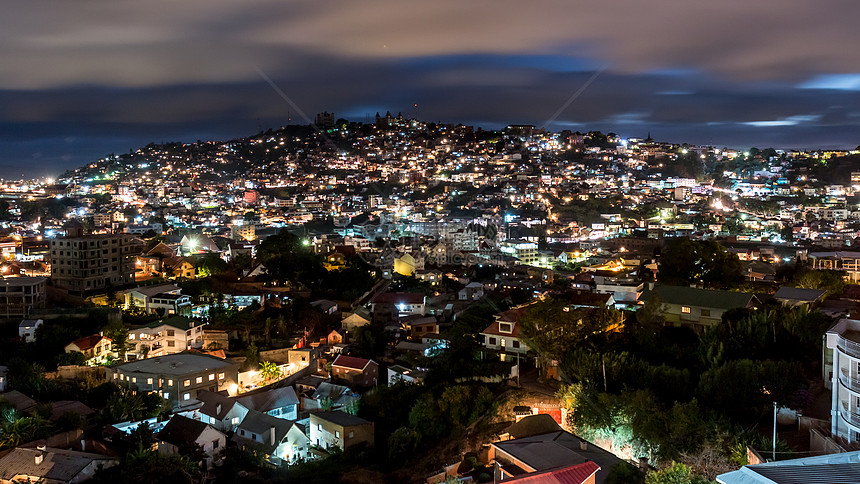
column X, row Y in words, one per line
column 80, row 79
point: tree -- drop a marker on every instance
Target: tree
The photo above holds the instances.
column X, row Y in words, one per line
column 118, row 334
column 252, row 356
column 74, row 358
column 402, row 443
column 455, row 403
column 288, row 260
column 649, row 320
column 425, row 418
column 269, row 370
column 370, row 341
column 745, row 389
column 833, row 282
column 686, row 262
column 552, row 328
column 676, row 473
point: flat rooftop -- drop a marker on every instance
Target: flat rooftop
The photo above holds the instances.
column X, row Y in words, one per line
column 177, row 364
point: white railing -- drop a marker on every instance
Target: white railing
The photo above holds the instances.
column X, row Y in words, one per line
column 849, row 347
column 849, row 416
column 850, row 383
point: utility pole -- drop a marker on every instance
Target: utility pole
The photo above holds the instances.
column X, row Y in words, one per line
column 603, row 363
column 774, row 431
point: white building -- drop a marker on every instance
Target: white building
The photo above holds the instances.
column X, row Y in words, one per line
column 165, row 337
column 165, row 299
column 843, row 376
column 27, row 329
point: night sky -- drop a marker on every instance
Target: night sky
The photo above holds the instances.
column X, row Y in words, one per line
column 83, row 78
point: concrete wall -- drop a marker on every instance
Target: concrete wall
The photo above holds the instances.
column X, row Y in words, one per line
column 820, row 443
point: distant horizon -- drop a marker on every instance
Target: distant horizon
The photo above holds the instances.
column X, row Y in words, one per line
column 55, row 168
column 82, row 79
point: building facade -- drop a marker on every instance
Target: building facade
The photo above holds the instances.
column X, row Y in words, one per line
column 339, row 429
column 843, row 376
column 90, row 263
column 178, row 378
column 166, row 336
column 20, row 295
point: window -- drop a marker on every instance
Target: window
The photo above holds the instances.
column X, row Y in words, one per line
column 171, row 343
column 134, row 380
column 235, row 421
column 170, row 332
column 170, row 383
column 337, row 434
column 220, row 376
column 706, row 312
column 242, row 433
column 503, row 342
column 167, row 395
column 515, row 343
column 506, row 327
column 685, row 309
column 492, row 341
column 215, row 444
column 351, row 434
column 187, row 383
column 199, row 379
column 186, row 396
column 211, row 377
column 319, row 427
column 149, row 381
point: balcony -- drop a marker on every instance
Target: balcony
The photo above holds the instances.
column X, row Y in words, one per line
column 848, row 347
column 849, row 383
column 849, row 416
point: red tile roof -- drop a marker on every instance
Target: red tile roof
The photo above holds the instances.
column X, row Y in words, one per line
column 89, row 342
column 351, row 362
column 576, row 474
column 493, row 329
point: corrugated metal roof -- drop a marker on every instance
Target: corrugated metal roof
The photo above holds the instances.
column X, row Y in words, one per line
column 841, row 468
column 576, row 474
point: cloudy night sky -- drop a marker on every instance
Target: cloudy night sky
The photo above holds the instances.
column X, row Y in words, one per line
column 84, row 78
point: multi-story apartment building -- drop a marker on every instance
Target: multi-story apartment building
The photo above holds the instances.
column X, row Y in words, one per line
column 86, row 263
column 20, row 295
column 179, row 377
column 845, row 261
column 165, row 300
column 843, row 376
column 167, row 336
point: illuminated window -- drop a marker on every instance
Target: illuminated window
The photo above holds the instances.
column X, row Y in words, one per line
column 186, row 396
column 170, row 383
column 211, row 377
column 149, row 381
column 187, row 383
column 199, row 379
column 220, row 376
column 134, row 380
column 685, row 309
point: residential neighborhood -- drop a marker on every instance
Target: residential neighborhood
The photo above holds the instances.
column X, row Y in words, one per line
column 511, row 305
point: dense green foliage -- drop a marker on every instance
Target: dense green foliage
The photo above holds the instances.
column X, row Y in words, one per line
column 686, row 262
column 667, row 391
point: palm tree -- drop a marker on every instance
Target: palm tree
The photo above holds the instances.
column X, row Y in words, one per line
column 269, row 370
